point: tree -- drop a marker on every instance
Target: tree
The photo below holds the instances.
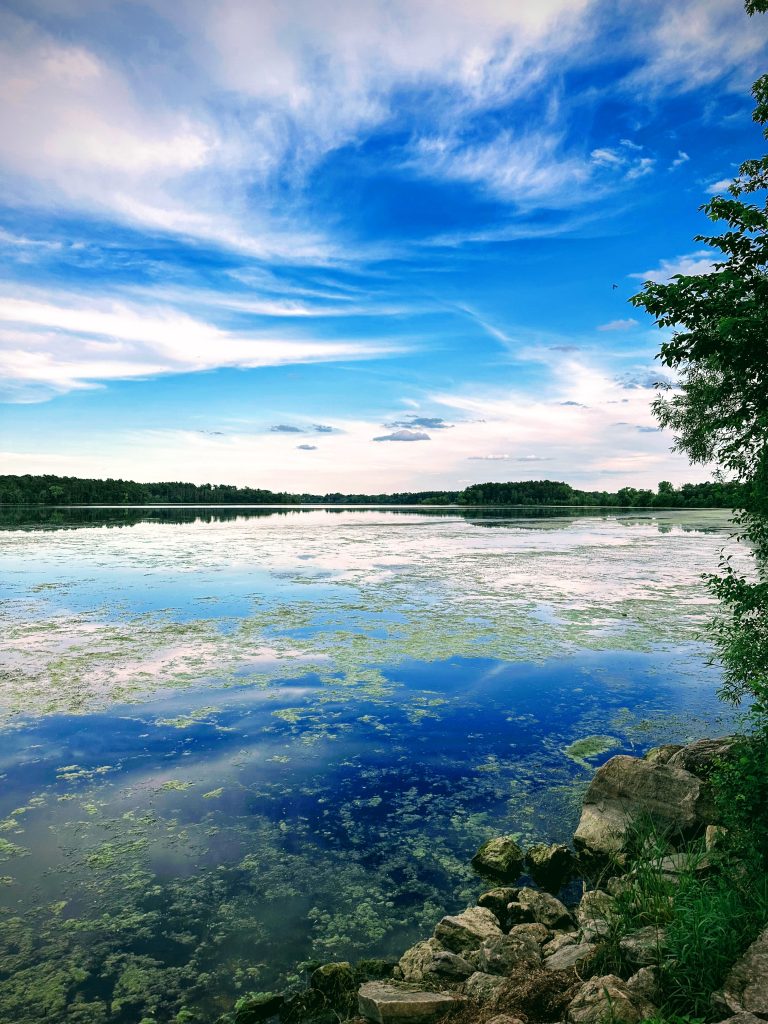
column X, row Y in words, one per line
column 718, row 409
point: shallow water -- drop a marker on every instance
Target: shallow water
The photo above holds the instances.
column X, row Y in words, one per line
column 235, row 740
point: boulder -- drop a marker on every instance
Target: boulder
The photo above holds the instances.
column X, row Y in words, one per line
column 338, row 983
column 570, row 956
column 417, row 961
column 486, row 989
column 500, row 858
column 594, row 913
column 469, row 930
column 626, row 789
column 645, row 984
column 385, row 1002
column 259, row 1006
column 662, row 754
column 558, row 941
column 505, row 1018
column 538, row 932
column 497, row 900
column 743, row 1018
column 641, row 948
column 746, row 987
column 700, row 758
column 544, row 908
column 551, row 866
column 503, row 954
column 450, row 965
column 608, row 998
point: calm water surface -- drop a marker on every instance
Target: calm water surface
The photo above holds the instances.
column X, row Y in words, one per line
column 234, row 740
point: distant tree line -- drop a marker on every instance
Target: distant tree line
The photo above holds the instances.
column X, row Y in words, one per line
column 70, row 490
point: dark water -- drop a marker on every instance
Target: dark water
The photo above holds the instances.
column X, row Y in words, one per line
column 233, row 744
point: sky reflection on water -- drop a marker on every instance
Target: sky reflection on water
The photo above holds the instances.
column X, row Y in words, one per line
column 233, row 745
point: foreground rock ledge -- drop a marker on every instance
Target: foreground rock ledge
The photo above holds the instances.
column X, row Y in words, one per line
column 384, row 1002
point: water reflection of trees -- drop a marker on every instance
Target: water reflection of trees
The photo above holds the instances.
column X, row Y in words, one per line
column 523, row 517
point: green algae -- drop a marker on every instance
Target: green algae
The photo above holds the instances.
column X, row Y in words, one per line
column 583, row 750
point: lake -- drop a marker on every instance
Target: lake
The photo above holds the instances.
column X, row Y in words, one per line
column 235, row 740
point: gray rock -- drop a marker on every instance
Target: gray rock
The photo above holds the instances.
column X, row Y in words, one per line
column 645, row 984
column 627, row 788
column 677, row 864
column 746, row 987
column 551, row 866
column 642, row 948
column 538, row 932
column 385, row 1002
column 662, row 754
column 619, row 885
column 608, row 999
column 505, row 1018
column 570, row 956
column 595, row 912
column 560, row 940
column 486, row 989
column 503, row 954
column 544, row 909
column 500, row 858
column 743, row 1018
column 417, row 961
column 700, row 758
column 469, row 930
column 497, row 900
column 450, row 965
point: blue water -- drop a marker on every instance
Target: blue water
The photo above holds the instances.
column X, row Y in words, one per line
column 194, row 835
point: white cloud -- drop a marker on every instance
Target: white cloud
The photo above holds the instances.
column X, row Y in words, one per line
column 680, row 159
column 74, row 342
column 699, row 262
column 720, row 186
column 619, row 325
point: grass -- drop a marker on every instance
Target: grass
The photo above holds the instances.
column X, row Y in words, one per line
column 710, row 913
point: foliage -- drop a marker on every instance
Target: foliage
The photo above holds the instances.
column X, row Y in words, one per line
column 709, row 914
column 719, row 408
column 59, row 490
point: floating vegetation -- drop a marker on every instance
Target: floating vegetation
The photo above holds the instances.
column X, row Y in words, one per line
column 230, row 748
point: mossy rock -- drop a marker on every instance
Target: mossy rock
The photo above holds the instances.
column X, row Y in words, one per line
column 256, row 1007
column 500, row 858
column 338, row 984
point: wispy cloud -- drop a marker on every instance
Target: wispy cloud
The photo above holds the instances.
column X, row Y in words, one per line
column 619, row 325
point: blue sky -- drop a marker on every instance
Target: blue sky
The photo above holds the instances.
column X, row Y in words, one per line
column 356, row 246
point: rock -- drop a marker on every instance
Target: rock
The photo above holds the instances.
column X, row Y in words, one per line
column 743, row 1018
column 469, row 930
column 505, row 1018
column 594, row 913
column 450, row 965
column 746, row 987
column 500, row 858
column 619, row 885
column 502, row 955
column 608, row 999
column 700, row 758
column 385, row 1002
column 641, row 948
column 497, row 900
column 627, row 788
column 337, row 982
column 551, row 866
column 538, row 932
column 544, row 908
column 559, row 940
column 252, row 1009
column 417, row 961
column 677, row 864
column 714, row 837
column 645, row 984
column 570, row 956
column 486, row 989
column 662, row 754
